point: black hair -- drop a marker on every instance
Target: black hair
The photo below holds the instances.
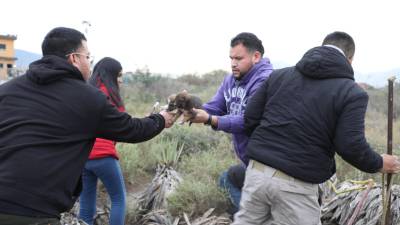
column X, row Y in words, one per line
column 248, row 40
column 106, row 72
column 343, row 41
column 62, row 41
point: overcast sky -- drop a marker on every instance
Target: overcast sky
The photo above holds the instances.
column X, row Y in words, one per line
column 185, row 36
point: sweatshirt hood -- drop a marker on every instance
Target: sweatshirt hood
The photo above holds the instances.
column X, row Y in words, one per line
column 257, row 69
column 324, row 63
column 51, row 68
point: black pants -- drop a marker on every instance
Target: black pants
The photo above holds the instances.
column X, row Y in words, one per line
column 6, row 219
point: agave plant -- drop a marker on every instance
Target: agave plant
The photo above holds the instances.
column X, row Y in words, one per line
column 360, row 207
column 163, row 184
column 71, row 217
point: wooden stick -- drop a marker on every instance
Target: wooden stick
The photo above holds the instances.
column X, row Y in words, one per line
column 387, row 215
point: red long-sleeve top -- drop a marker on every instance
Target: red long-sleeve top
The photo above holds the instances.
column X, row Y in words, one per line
column 102, row 147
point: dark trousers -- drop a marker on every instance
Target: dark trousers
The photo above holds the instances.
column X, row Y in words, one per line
column 6, row 219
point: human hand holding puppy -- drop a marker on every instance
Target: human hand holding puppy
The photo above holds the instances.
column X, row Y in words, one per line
column 201, row 116
column 168, row 117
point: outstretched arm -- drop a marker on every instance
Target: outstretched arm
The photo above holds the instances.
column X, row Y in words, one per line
column 120, row 126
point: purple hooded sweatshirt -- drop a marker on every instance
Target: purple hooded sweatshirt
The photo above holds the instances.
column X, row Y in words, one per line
column 230, row 102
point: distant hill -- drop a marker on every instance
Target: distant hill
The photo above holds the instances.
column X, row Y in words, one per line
column 377, row 79
column 25, row 58
column 280, row 64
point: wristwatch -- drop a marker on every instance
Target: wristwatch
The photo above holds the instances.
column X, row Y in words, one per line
column 208, row 122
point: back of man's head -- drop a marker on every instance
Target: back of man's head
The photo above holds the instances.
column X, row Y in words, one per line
column 343, row 41
column 248, row 40
column 62, row 41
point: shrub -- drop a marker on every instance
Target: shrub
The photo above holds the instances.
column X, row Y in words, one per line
column 199, row 190
column 194, row 197
column 194, row 138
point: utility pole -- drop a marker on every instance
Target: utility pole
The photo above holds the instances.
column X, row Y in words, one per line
column 86, row 24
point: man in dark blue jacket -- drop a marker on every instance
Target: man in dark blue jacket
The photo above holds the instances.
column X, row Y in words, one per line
column 298, row 119
column 49, row 119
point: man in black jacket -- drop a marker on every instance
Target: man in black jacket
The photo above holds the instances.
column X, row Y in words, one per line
column 49, row 119
column 298, row 119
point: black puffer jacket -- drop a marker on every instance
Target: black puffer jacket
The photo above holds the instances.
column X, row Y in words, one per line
column 302, row 115
column 49, row 119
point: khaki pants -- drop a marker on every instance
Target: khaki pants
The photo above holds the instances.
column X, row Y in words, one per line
column 6, row 219
column 271, row 197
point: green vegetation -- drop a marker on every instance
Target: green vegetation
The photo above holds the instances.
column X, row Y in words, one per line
column 204, row 153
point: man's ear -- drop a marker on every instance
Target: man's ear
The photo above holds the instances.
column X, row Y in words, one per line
column 256, row 57
column 72, row 60
column 350, row 60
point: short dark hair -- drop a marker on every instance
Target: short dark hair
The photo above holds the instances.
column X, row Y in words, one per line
column 62, row 41
column 343, row 41
column 248, row 40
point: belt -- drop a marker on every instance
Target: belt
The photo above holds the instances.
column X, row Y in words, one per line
column 277, row 173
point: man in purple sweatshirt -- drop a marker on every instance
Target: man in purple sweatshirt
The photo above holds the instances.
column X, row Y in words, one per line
column 226, row 109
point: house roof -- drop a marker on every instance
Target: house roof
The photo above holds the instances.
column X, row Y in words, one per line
column 9, row 37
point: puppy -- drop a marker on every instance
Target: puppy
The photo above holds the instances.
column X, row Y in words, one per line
column 183, row 103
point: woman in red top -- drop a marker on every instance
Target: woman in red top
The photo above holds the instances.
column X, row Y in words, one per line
column 103, row 160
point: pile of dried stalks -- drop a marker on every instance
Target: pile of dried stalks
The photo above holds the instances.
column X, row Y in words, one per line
column 152, row 203
column 163, row 184
column 162, row 217
column 71, row 217
column 341, row 209
column 101, row 218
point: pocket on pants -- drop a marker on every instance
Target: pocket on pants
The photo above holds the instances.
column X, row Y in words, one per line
column 253, row 179
column 297, row 204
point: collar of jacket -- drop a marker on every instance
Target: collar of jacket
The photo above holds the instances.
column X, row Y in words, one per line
column 52, row 68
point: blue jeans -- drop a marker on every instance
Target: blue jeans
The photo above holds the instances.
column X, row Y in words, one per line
column 233, row 191
column 109, row 172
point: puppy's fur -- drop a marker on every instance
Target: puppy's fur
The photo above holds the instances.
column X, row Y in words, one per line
column 183, row 103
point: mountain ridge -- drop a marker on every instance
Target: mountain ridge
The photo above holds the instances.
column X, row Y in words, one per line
column 24, row 58
column 375, row 79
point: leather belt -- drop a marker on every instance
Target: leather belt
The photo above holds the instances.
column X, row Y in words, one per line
column 277, row 173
